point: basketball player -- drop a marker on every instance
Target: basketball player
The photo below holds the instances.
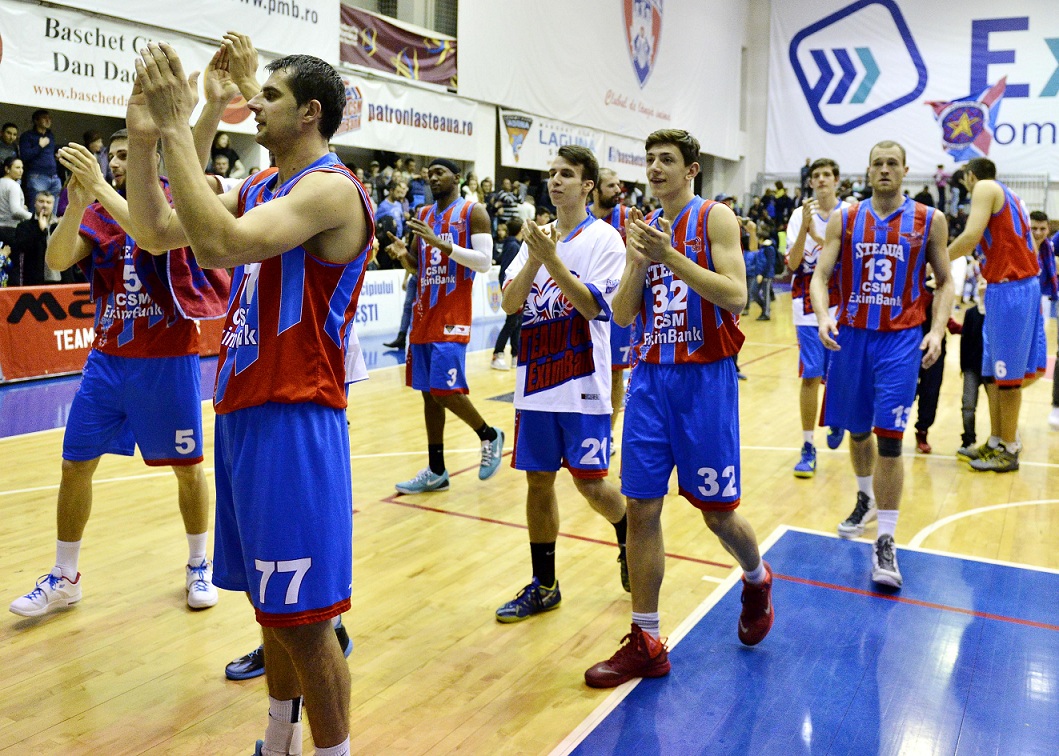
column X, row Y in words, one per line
column 685, row 277
column 140, row 385
column 1014, row 350
column 882, row 247
column 606, row 205
column 805, row 234
column 563, row 280
column 299, row 236
column 454, row 242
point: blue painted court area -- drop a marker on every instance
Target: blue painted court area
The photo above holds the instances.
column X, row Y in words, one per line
column 963, row 660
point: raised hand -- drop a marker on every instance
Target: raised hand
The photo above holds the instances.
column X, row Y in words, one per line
column 84, row 166
column 424, row 232
column 138, row 118
column 653, row 243
column 541, row 241
column 217, row 82
column 169, row 95
column 241, row 62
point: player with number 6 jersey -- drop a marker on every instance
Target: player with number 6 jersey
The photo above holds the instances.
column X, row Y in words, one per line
column 685, row 277
column 881, row 248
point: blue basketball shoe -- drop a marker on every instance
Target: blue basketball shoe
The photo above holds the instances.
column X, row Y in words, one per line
column 806, row 468
column 533, row 599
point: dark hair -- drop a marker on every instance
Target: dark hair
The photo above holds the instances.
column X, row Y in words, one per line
column 514, row 226
column 9, row 125
column 10, row 161
column 40, row 112
column 886, row 144
column 91, row 136
column 43, row 193
column 119, row 134
column 824, row 163
column 982, row 168
column 582, row 156
column 1038, row 215
column 310, row 78
column 687, row 144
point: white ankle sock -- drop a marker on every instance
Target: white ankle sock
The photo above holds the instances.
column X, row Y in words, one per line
column 994, row 442
column 197, row 548
column 807, row 437
column 864, row 485
column 342, row 749
column 757, row 575
column 284, row 731
column 66, row 555
column 887, row 521
column 336, row 621
column 649, row 622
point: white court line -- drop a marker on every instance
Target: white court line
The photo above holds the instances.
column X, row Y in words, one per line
column 571, row 741
column 929, row 530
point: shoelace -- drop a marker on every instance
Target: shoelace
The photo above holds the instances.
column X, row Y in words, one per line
column 199, row 583
column 861, row 508
column 52, row 581
column 487, row 452
column 885, row 553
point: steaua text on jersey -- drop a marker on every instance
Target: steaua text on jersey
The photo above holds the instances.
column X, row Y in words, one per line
column 442, row 310
column 680, row 326
column 285, row 335
column 882, row 266
column 1007, row 248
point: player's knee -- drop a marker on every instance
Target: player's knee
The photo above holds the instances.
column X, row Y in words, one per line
column 988, row 380
column 860, row 437
column 1010, row 387
column 76, row 468
column 889, row 447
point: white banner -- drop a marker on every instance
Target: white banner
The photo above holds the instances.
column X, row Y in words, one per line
column 279, row 26
column 530, row 141
column 385, row 115
column 71, row 61
column 978, row 80
column 625, row 156
column 627, row 67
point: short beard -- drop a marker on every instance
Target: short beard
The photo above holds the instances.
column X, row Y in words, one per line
column 610, row 204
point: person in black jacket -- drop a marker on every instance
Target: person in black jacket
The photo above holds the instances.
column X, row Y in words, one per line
column 31, row 242
column 513, row 325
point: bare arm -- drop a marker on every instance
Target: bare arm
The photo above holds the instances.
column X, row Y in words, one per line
column 944, row 291
column 983, row 201
column 219, row 88
column 818, row 286
column 66, row 246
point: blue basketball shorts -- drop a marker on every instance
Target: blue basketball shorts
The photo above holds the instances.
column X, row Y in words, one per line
column 546, row 441
column 440, row 368
column 871, row 381
column 124, row 402
column 1013, row 341
column 621, row 346
column 813, row 357
column 685, row 416
column 284, row 526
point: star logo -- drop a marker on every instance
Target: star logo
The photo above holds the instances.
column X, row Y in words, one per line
column 967, row 123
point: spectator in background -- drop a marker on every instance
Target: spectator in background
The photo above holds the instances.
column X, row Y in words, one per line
column 924, row 196
column 784, row 205
column 31, row 242
column 419, row 190
column 806, row 184
column 373, row 177
column 222, row 147
column 527, row 209
column 220, row 166
column 959, row 191
column 941, row 180
column 469, row 189
column 93, row 140
column 509, row 334
column 8, row 141
column 506, row 203
column 37, row 149
column 410, row 170
column 544, row 216
column 13, row 208
column 393, row 206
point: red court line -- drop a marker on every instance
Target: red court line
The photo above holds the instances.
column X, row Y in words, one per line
column 917, row 602
column 422, row 507
column 765, row 356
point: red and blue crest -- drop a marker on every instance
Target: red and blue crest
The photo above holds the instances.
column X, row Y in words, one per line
column 643, row 31
column 967, row 124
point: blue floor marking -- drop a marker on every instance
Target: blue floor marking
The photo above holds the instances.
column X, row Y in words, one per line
column 844, row 672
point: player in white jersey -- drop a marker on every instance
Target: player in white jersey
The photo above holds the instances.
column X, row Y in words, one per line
column 563, row 281
column 805, row 237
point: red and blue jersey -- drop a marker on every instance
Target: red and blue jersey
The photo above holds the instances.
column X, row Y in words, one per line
column 617, row 218
column 1007, row 249
column 135, row 312
column 882, row 267
column 1048, row 279
column 288, row 318
column 680, row 327
column 442, row 310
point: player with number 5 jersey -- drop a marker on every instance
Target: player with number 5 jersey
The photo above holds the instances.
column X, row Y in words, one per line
column 685, row 277
column 879, row 250
column 140, row 386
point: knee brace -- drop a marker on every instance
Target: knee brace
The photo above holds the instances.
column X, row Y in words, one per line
column 1008, row 387
column 859, row 437
column 889, row 447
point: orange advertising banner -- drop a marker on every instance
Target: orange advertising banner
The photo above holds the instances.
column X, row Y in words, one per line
column 47, row 330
